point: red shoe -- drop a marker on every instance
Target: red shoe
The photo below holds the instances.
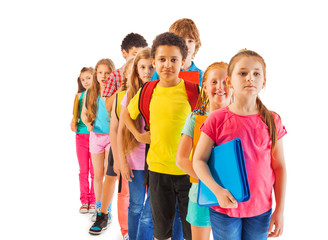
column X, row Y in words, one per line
column 84, row 208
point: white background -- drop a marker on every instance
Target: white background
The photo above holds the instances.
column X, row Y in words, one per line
column 44, row 44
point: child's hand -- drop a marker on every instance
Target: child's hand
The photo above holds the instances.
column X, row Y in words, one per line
column 144, row 137
column 225, row 199
column 126, row 172
column 117, row 167
column 73, row 126
column 89, row 127
column 277, row 220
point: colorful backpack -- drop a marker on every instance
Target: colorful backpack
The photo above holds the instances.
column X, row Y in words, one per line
column 146, row 92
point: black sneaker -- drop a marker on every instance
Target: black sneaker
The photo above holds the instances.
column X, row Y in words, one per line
column 100, row 224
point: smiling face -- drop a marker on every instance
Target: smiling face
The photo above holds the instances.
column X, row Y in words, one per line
column 217, row 89
column 145, row 69
column 103, row 72
column 247, row 77
column 168, row 62
column 86, row 79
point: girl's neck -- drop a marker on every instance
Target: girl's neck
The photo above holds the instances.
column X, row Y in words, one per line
column 187, row 65
column 213, row 107
column 101, row 91
column 244, row 106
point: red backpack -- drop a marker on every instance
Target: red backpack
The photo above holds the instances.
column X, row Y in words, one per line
column 146, row 92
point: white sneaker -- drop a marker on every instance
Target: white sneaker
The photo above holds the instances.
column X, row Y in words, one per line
column 92, row 208
column 126, row 237
column 94, row 215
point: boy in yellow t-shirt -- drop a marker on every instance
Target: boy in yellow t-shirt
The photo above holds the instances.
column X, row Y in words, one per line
column 168, row 109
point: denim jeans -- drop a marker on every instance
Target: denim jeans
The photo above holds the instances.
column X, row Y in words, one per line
column 177, row 226
column 252, row 228
column 140, row 222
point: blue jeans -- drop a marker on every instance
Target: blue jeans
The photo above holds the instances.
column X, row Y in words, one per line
column 139, row 214
column 252, row 228
column 177, row 226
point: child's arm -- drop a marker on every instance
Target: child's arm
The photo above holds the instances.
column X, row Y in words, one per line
column 126, row 171
column 113, row 139
column 201, row 156
column 130, row 124
column 84, row 115
column 109, row 102
column 183, row 153
column 279, row 169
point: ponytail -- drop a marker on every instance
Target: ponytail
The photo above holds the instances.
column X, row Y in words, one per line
column 268, row 119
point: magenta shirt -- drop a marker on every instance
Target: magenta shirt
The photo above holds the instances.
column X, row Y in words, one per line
column 222, row 126
column 136, row 158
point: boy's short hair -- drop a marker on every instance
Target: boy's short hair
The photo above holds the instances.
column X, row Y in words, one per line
column 133, row 40
column 169, row 39
column 186, row 28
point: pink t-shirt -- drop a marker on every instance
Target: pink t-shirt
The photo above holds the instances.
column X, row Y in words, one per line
column 222, row 126
column 136, row 159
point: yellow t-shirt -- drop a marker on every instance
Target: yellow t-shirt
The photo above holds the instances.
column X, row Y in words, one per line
column 168, row 110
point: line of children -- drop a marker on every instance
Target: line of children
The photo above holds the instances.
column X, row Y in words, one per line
column 170, row 103
column 215, row 94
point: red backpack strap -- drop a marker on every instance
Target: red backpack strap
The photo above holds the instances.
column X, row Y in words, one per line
column 144, row 100
column 192, row 90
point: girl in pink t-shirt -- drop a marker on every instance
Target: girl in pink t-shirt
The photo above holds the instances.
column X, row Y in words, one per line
column 261, row 132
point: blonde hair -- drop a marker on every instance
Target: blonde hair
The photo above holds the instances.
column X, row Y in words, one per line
column 124, row 84
column 203, row 101
column 266, row 115
column 186, row 28
column 94, row 90
column 135, row 83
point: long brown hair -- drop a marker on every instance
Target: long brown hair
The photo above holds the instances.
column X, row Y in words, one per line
column 135, row 83
column 266, row 115
column 203, row 101
column 94, row 90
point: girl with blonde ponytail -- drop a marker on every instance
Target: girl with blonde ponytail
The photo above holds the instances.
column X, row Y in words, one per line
column 261, row 132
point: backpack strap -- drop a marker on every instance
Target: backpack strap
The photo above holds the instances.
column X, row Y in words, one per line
column 192, row 91
column 144, row 100
column 119, row 97
column 199, row 119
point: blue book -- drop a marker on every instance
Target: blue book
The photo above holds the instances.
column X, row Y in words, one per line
column 227, row 166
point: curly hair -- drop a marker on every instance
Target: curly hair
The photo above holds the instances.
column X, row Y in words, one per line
column 133, row 40
column 169, row 39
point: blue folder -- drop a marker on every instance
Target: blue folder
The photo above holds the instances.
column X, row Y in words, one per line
column 227, row 166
